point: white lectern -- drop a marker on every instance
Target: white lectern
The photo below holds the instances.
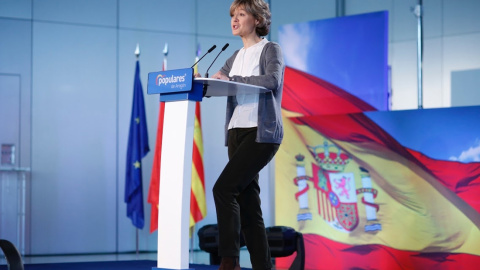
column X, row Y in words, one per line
column 180, row 92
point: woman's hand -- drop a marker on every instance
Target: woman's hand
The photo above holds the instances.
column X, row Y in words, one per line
column 197, row 75
column 219, row 75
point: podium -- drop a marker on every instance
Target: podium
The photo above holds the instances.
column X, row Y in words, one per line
column 180, row 91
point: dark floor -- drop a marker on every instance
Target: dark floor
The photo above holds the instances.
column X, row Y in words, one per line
column 106, row 262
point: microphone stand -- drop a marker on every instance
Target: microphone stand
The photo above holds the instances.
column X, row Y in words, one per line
column 205, row 86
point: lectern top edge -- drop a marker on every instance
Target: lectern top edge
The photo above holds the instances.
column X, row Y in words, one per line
column 179, row 84
column 221, row 88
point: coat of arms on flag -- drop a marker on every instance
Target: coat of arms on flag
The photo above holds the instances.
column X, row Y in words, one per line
column 335, row 190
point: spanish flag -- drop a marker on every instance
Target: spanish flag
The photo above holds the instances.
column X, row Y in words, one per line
column 361, row 199
column 154, row 187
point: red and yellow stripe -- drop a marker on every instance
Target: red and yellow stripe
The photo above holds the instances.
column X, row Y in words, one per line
column 198, row 204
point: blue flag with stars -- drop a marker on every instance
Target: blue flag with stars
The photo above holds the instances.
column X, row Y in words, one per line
column 137, row 149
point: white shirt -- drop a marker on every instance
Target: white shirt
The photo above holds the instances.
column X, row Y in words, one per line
column 246, row 63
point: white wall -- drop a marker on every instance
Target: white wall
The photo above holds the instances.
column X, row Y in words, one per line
column 76, row 64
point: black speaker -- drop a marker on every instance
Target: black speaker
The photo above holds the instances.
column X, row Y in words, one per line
column 208, row 238
column 14, row 260
column 284, row 241
column 208, row 241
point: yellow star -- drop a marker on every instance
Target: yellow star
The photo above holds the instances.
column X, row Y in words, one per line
column 136, row 164
column 137, row 120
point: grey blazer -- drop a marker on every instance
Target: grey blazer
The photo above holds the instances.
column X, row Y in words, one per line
column 272, row 68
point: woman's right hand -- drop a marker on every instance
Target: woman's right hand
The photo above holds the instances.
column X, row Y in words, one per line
column 219, row 75
column 197, row 75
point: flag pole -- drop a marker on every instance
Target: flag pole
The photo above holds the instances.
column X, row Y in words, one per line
column 418, row 12
column 192, row 230
column 136, row 243
column 137, row 55
column 165, row 54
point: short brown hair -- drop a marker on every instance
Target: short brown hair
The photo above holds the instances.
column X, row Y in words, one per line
column 260, row 11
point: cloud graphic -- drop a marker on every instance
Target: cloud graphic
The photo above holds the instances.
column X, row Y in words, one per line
column 469, row 155
column 295, row 41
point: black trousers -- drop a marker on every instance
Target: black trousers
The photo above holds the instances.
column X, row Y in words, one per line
column 237, row 197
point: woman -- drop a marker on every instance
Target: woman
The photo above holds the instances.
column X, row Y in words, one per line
column 253, row 133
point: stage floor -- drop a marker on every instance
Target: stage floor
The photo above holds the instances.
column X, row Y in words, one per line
column 109, row 265
column 200, row 261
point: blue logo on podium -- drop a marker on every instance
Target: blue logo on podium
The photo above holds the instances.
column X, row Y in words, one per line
column 170, row 81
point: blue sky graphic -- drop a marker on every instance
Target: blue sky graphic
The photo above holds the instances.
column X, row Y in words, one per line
column 445, row 133
column 350, row 52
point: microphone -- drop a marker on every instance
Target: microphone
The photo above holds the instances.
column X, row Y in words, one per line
column 223, row 49
column 209, row 51
column 205, row 86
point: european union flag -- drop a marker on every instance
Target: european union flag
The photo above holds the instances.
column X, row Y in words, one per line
column 137, row 149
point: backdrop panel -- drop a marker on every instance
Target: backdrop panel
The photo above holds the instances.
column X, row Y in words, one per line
column 377, row 190
column 349, row 52
column 371, row 189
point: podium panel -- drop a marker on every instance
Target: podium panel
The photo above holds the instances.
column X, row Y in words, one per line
column 177, row 150
column 175, row 184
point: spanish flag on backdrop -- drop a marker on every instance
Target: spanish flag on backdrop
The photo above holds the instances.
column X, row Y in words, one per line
column 360, row 198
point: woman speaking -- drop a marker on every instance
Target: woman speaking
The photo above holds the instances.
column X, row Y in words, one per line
column 253, row 133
